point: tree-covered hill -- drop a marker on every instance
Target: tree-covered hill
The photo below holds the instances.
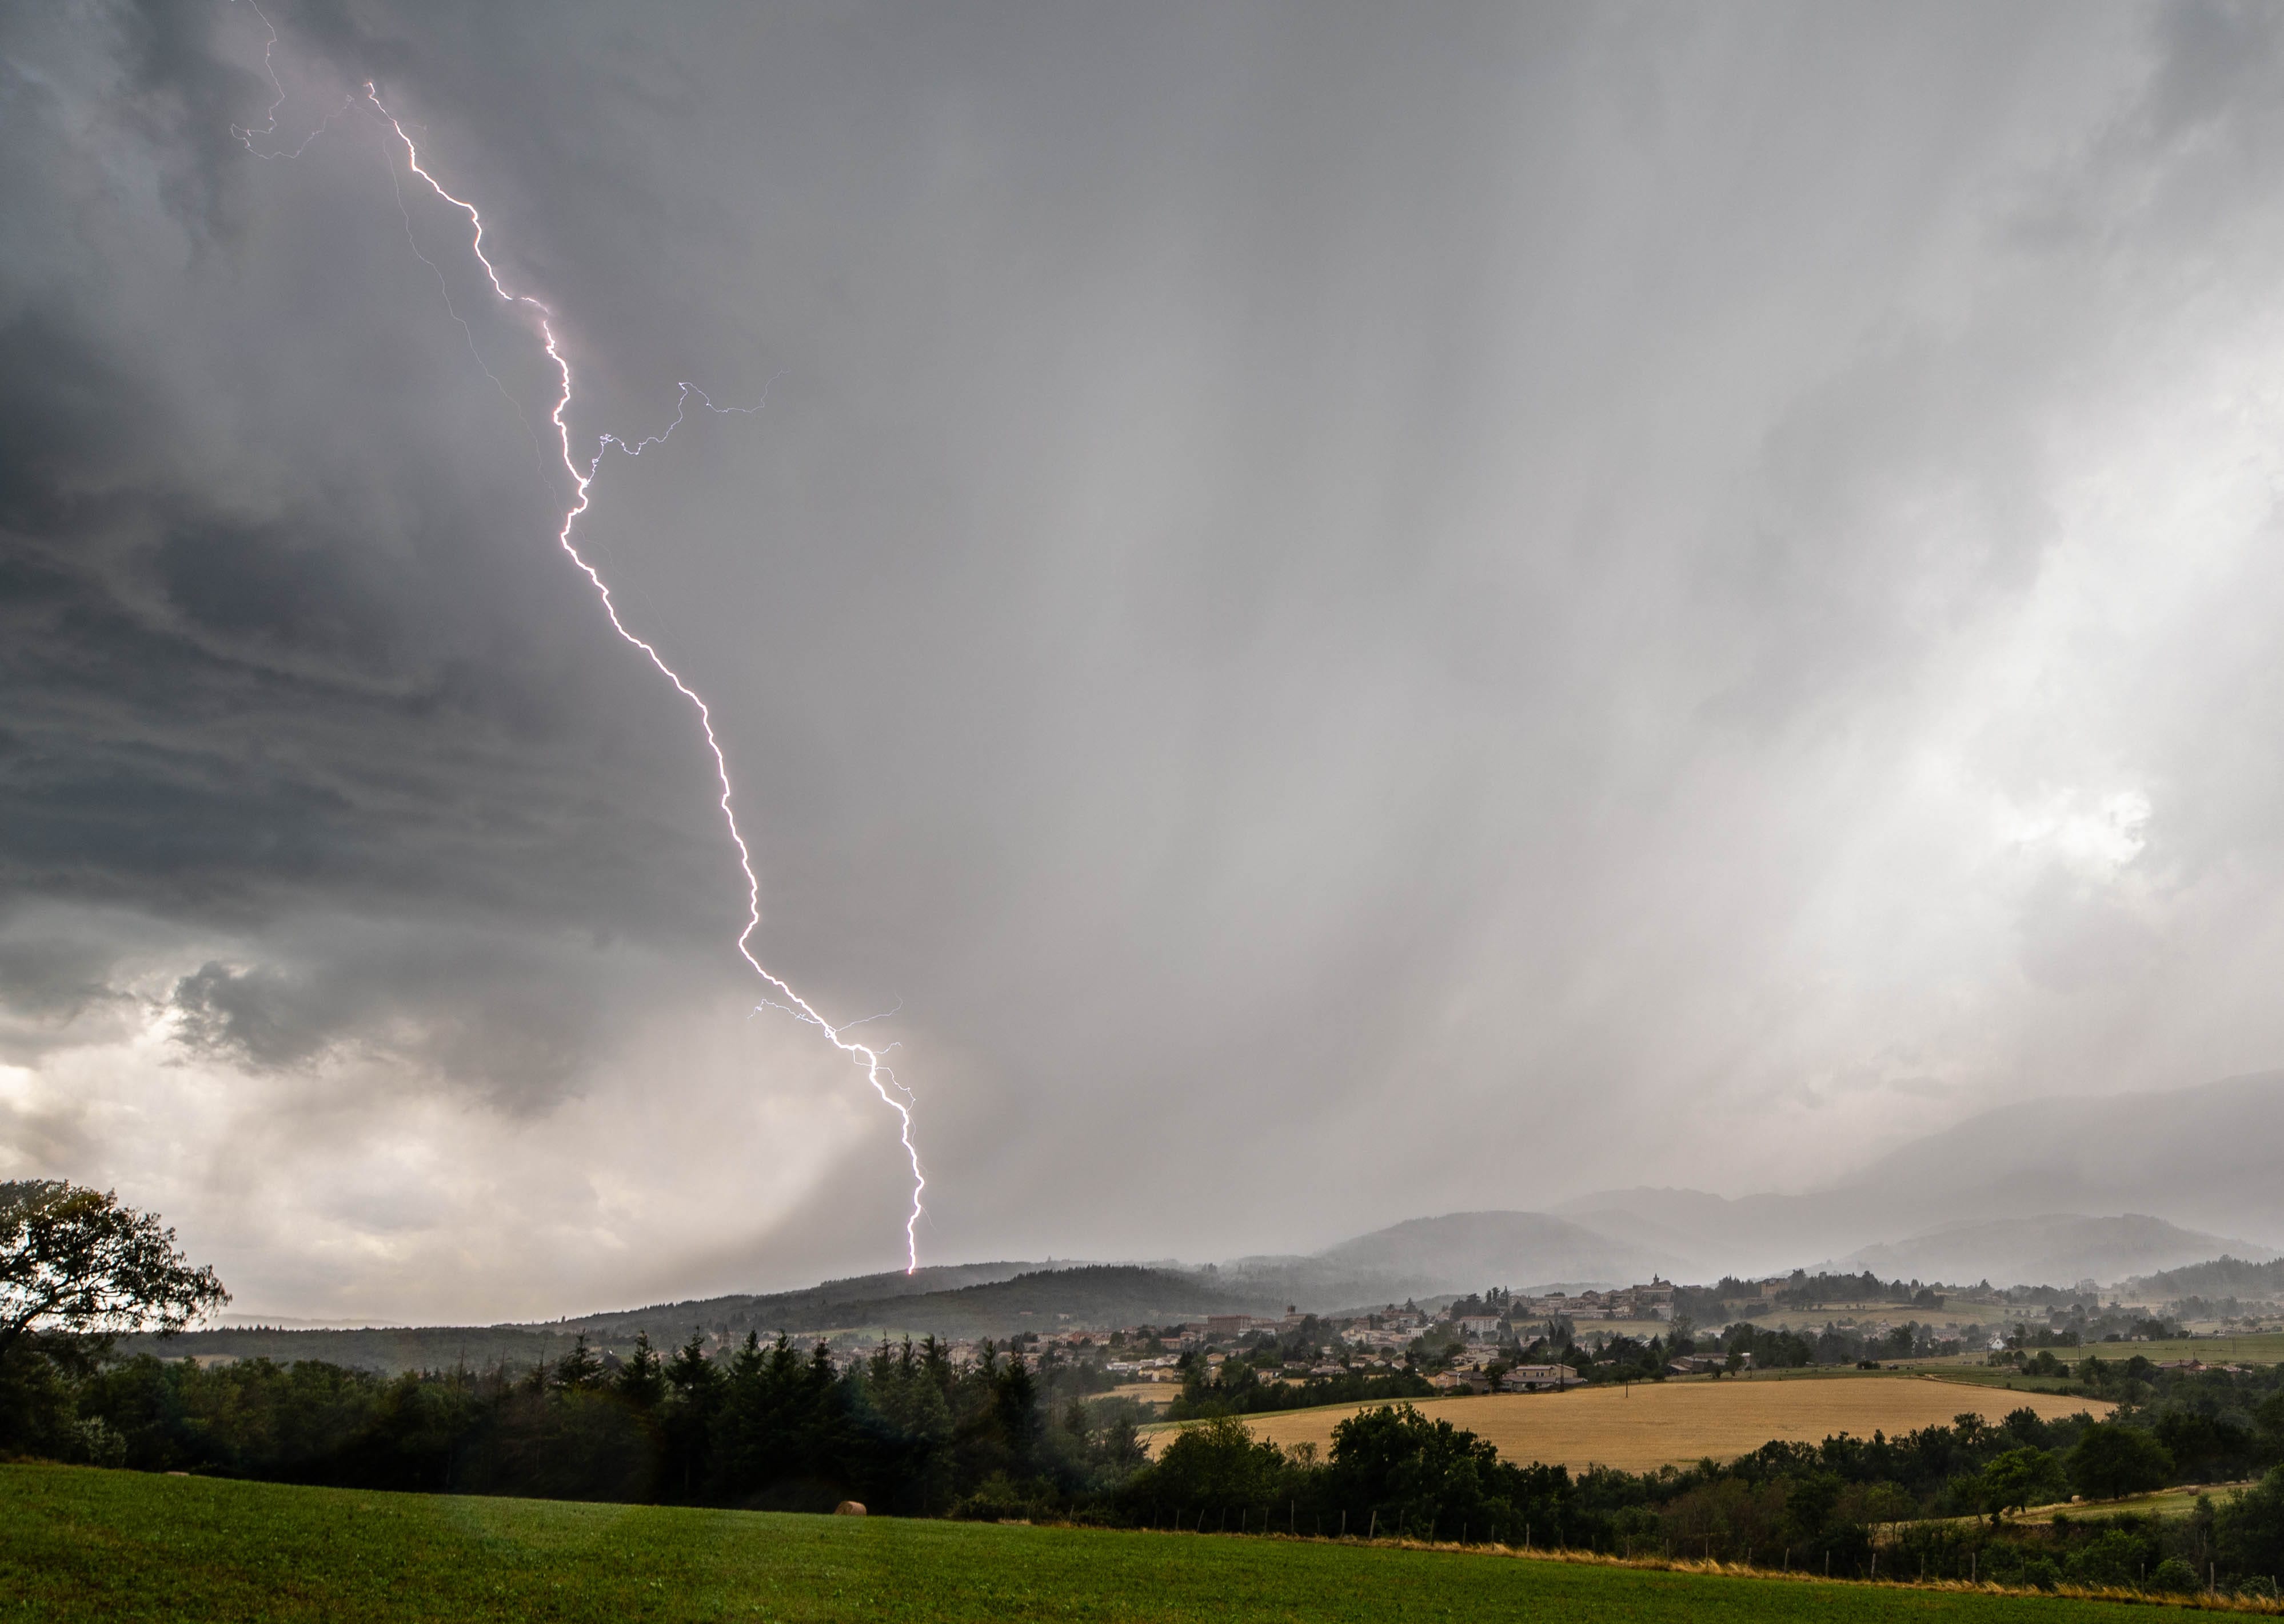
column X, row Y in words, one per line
column 1036, row 1300
column 2224, row 1276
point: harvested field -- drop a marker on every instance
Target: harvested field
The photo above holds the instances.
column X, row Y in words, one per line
column 1640, row 1428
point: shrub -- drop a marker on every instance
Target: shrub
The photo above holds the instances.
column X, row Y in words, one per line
column 2112, row 1558
column 2249, row 1528
column 2174, row 1577
column 998, row 1498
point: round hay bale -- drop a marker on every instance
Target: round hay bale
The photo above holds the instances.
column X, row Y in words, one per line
column 850, row 1508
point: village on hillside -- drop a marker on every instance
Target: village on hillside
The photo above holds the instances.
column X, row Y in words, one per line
column 1499, row 1341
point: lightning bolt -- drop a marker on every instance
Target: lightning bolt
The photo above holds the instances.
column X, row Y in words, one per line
column 893, row 1093
column 247, row 134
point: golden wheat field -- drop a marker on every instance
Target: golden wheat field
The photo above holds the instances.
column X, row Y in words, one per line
column 1639, row 1428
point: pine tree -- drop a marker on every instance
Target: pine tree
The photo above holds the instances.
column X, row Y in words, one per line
column 579, row 1369
column 641, row 1380
column 692, row 1411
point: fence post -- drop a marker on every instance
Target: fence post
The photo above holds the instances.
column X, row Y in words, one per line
column 1373, row 1531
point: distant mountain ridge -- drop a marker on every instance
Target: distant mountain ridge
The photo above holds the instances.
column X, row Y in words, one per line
column 2204, row 1156
column 2056, row 1249
column 2201, row 1158
column 1447, row 1256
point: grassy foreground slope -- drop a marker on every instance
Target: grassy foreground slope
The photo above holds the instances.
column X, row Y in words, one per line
column 78, row 1544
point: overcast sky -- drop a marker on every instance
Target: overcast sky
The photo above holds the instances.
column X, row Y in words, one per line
column 1346, row 612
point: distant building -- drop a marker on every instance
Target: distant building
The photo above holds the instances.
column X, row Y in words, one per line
column 1477, row 1327
column 1220, row 1327
column 1539, row 1378
column 1459, row 1381
column 1654, row 1300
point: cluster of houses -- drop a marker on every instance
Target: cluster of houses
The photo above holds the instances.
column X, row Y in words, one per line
column 1516, row 1379
column 1633, row 1302
column 1373, row 1340
column 1381, row 1340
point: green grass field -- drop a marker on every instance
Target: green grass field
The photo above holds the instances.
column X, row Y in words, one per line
column 2164, row 1502
column 78, row 1544
column 1995, row 1376
column 2262, row 1347
column 2265, row 1348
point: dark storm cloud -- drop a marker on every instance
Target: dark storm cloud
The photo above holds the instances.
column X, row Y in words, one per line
column 1455, row 600
column 504, row 1017
column 266, row 666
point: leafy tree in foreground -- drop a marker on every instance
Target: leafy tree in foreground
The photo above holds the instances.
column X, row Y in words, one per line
column 75, row 1260
column 75, row 1267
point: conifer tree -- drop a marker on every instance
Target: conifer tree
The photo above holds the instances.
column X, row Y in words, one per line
column 642, row 1380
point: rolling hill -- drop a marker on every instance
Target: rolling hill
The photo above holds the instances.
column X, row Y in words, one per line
column 2222, row 1276
column 1043, row 1300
